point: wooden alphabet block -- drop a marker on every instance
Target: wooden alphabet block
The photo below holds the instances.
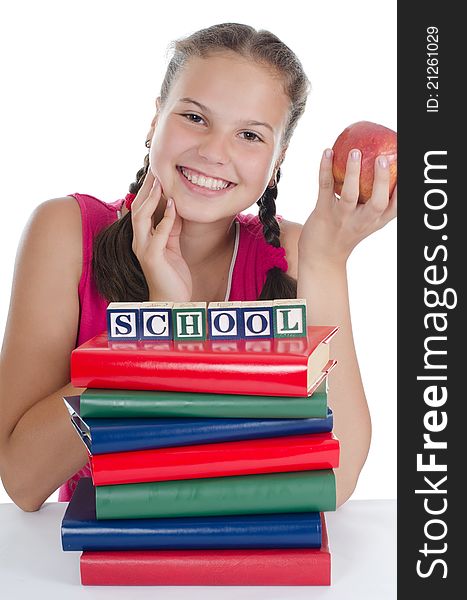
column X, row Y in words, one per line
column 289, row 317
column 189, row 321
column 123, row 321
column 195, row 321
column 258, row 319
column 225, row 321
column 156, row 321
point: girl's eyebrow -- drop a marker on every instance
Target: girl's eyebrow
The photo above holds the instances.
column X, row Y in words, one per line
column 206, row 110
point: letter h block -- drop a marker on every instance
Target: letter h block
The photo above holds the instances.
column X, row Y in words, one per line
column 225, row 321
column 290, row 318
column 189, row 321
column 156, row 321
column 123, row 321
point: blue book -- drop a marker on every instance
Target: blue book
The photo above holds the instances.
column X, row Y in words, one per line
column 105, row 435
column 82, row 531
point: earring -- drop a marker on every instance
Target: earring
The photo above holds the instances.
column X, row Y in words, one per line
column 148, row 143
column 274, row 183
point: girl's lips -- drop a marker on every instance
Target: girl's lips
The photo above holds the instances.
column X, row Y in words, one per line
column 203, row 190
column 206, row 175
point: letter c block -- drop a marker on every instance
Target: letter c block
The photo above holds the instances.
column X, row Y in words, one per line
column 123, row 321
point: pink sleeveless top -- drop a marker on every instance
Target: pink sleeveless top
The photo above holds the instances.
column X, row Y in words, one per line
column 251, row 260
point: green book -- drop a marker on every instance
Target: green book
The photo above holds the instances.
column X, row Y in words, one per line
column 301, row 491
column 114, row 403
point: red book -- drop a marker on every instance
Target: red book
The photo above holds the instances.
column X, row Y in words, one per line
column 300, row 566
column 275, row 367
column 245, row 457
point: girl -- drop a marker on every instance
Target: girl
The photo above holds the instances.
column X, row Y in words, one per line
column 228, row 106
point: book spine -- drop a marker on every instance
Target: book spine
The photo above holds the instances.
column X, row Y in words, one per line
column 263, row 373
column 131, row 403
column 306, row 491
column 204, row 567
column 292, row 530
column 124, row 435
column 224, row 459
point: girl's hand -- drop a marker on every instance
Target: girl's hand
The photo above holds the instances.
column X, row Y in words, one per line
column 158, row 248
column 336, row 225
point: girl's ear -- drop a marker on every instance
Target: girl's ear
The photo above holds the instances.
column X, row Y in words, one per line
column 281, row 158
column 154, row 119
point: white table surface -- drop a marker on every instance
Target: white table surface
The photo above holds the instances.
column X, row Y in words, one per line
column 362, row 541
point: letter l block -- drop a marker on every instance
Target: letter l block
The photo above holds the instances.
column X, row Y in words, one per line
column 290, row 318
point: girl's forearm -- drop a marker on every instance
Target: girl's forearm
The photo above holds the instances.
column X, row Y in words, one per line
column 325, row 288
column 42, row 452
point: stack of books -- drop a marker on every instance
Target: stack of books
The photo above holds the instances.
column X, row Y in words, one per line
column 212, row 461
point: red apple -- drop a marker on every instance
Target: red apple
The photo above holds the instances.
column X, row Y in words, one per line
column 372, row 140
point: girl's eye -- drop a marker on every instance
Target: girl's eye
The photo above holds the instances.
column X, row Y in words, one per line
column 251, row 137
column 192, row 117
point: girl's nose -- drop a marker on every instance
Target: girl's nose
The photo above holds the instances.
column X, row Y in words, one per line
column 213, row 148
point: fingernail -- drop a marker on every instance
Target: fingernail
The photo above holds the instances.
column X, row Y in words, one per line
column 355, row 155
column 328, row 153
column 383, row 162
column 169, row 202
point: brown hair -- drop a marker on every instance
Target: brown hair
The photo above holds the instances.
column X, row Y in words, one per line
column 116, row 270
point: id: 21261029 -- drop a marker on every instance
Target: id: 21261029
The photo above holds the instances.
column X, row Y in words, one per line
column 432, row 103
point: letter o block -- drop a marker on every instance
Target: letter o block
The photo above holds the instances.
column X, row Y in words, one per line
column 225, row 321
column 258, row 319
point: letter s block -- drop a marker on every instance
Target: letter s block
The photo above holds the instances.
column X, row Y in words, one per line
column 123, row 321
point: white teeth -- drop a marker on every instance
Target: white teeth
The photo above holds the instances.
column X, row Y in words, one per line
column 207, row 182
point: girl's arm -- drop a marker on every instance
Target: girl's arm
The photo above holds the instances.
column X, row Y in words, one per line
column 39, row 448
column 325, row 289
column 319, row 251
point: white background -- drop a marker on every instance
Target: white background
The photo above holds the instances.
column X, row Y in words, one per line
column 79, row 82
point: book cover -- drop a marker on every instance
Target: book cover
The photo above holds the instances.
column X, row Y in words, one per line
column 267, row 566
column 120, row 403
column 276, row 367
column 81, row 530
column 223, row 459
column 105, row 435
column 300, row 491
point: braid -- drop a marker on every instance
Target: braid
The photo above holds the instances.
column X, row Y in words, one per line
column 278, row 284
column 140, row 175
column 116, row 270
column 267, row 214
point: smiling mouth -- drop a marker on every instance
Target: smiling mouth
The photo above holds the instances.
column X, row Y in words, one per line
column 204, row 181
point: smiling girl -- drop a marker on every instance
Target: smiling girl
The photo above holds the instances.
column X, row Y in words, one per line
column 228, row 106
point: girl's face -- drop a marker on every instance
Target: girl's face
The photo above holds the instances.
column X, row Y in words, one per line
column 216, row 142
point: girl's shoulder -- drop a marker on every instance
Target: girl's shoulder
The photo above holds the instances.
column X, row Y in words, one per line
column 58, row 220
column 63, row 213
